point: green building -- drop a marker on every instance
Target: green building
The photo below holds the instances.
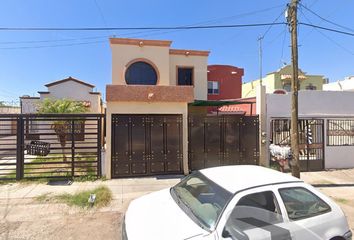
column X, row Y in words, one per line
column 281, row 79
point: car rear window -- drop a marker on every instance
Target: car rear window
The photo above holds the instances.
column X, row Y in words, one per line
column 301, row 203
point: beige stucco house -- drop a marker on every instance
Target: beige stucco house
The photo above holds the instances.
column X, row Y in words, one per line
column 147, row 106
column 68, row 88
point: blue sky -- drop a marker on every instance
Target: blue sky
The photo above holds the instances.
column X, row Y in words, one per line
column 27, row 63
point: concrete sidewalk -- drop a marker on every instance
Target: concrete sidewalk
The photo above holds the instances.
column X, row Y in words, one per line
column 123, row 190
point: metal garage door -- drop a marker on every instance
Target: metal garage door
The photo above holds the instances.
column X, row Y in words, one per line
column 144, row 145
column 222, row 140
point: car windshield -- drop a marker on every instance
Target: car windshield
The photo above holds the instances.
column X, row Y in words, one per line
column 201, row 198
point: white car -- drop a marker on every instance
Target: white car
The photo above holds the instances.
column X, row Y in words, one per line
column 236, row 202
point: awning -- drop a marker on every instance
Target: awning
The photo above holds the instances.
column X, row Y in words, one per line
column 213, row 103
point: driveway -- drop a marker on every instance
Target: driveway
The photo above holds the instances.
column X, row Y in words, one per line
column 22, row 217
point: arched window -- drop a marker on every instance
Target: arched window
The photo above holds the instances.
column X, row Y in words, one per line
column 141, row 73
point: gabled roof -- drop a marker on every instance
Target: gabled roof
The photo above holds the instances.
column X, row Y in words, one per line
column 287, row 69
column 69, row 79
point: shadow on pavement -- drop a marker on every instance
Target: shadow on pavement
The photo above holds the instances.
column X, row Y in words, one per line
column 333, row 185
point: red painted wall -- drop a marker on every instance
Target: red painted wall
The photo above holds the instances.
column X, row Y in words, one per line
column 230, row 81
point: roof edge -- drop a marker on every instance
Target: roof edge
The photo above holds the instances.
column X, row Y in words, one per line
column 69, row 79
column 140, row 42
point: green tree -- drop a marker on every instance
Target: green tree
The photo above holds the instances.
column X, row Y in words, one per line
column 61, row 128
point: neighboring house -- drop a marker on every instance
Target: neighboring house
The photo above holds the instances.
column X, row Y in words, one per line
column 281, row 79
column 326, row 127
column 68, row 88
column 224, row 82
column 342, row 85
column 147, row 106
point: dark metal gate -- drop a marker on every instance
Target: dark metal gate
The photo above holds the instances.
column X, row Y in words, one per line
column 50, row 145
column 144, row 145
column 311, row 141
column 222, row 140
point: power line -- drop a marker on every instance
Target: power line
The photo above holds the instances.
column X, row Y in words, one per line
column 270, row 26
column 52, row 46
column 282, row 49
column 327, row 29
column 326, row 20
column 101, row 13
column 56, row 40
column 147, row 28
column 137, row 28
column 146, row 32
column 328, row 38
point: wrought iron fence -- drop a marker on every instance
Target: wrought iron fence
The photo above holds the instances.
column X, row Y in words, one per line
column 50, row 145
column 340, row 132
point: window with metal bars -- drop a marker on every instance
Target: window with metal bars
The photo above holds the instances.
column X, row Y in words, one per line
column 340, row 132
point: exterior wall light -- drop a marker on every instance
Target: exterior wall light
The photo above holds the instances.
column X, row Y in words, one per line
column 150, row 95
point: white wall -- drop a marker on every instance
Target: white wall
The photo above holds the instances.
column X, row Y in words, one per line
column 345, row 85
column 321, row 105
column 29, row 105
column 74, row 91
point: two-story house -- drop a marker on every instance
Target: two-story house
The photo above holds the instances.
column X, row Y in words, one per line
column 281, row 80
column 224, row 82
column 147, row 106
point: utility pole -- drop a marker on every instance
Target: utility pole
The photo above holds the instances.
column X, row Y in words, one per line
column 292, row 21
column 260, row 59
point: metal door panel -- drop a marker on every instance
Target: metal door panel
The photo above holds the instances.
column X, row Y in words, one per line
column 196, row 150
column 157, row 167
column 213, row 136
column 231, row 140
column 173, row 141
column 121, row 169
column 139, row 168
column 120, row 145
column 249, row 140
column 174, row 166
column 138, row 142
column 157, row 144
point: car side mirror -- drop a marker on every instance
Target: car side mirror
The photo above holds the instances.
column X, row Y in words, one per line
column 226, row 234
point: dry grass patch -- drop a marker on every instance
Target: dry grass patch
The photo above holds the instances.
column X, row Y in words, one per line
column 80, row 199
